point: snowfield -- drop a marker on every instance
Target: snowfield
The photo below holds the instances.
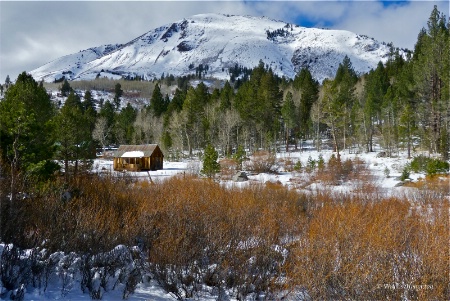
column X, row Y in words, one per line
column 387, row 185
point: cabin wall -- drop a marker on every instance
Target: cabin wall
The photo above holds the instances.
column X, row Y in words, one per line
column 154, row 162
column 132, row 164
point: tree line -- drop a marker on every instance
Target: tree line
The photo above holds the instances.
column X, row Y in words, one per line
column 402, row 104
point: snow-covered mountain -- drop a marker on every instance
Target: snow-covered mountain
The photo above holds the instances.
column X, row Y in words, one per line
column 220, row 42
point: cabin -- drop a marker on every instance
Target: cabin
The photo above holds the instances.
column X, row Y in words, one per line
column 138, row 158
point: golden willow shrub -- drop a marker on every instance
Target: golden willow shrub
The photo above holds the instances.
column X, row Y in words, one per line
column 257, row 240
column 382, row 250
column 223, row 237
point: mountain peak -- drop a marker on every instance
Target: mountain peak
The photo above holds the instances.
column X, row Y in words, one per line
column 220, row 41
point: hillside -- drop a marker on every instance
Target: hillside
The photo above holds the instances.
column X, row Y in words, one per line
column 219, row 42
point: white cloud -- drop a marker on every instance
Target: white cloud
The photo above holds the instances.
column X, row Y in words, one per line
column 399, row 24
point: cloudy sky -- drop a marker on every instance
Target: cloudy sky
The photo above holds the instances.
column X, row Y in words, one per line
column 34, row 33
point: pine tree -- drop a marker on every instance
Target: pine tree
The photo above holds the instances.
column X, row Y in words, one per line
column 74, row 134
column 124, row 129
column 107, row 111
column 239, row 156
column 344, row 84
column 89, row 109
column 174, row 106
column 158, row 104
column 431, row 75
column 332, row 112
column 376, row 85
column 258, row 102
column 226, row 97
column 309, row 92
column 88, row 103
column 407, row 126
column 118, row 92
column 65, row 88
column 26, row 127
column 389, row 112
column 177, row 101
column 288, row 113
column 210, row 164
column 196, row 124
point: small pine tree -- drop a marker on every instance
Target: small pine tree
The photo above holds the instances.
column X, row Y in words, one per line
column 210, row 164
column 321, row 163
column 387, row 172
column 118, row 92
column 239, row 156
column 298, row 166
column 311, row 164
column 405, row 173
column 65, row 88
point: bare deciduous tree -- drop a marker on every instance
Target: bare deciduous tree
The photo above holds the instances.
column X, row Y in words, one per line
column 101, row 131
column 148, row 127
column 227, row 125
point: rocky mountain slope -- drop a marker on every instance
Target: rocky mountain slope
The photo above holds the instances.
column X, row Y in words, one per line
column 219, row 42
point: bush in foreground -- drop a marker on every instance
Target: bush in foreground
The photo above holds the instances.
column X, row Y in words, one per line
column 251, row 241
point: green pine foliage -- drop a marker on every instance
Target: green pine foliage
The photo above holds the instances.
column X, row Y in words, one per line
column 118, row 92
column 74, row 135
column 431, row 78
column 320, row 163
column 158, row 104
column 65, row 88
column 210, row 164
column 124, row 128
column 298, row 166
column 311, row 164
column 288, row 113
column 239, row 156
column 26, row 125
column 308, row 90
column 430, row 166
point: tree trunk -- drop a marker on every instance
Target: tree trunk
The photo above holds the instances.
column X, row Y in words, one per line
column 188, row 140
column 345, row 128
column 336, row 146
column 14, row 171
column 287, row 139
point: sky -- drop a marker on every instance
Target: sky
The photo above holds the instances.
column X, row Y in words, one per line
column 34, row 33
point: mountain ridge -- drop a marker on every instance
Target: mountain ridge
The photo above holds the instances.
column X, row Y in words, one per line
column 220, row 42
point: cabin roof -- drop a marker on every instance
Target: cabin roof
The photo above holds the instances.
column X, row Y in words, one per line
column 135, row 151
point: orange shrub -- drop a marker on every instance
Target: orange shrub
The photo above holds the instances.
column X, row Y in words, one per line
column 262, row 162
column 228, row 167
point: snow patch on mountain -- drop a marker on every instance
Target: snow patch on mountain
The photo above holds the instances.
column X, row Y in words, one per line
column 221, row 42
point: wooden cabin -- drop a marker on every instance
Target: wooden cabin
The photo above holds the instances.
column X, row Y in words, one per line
column 138, row 157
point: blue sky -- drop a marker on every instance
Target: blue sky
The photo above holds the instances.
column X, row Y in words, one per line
column 34, row 33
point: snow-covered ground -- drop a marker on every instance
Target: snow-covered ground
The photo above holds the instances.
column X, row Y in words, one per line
column 144, row 291
column 384, row 172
